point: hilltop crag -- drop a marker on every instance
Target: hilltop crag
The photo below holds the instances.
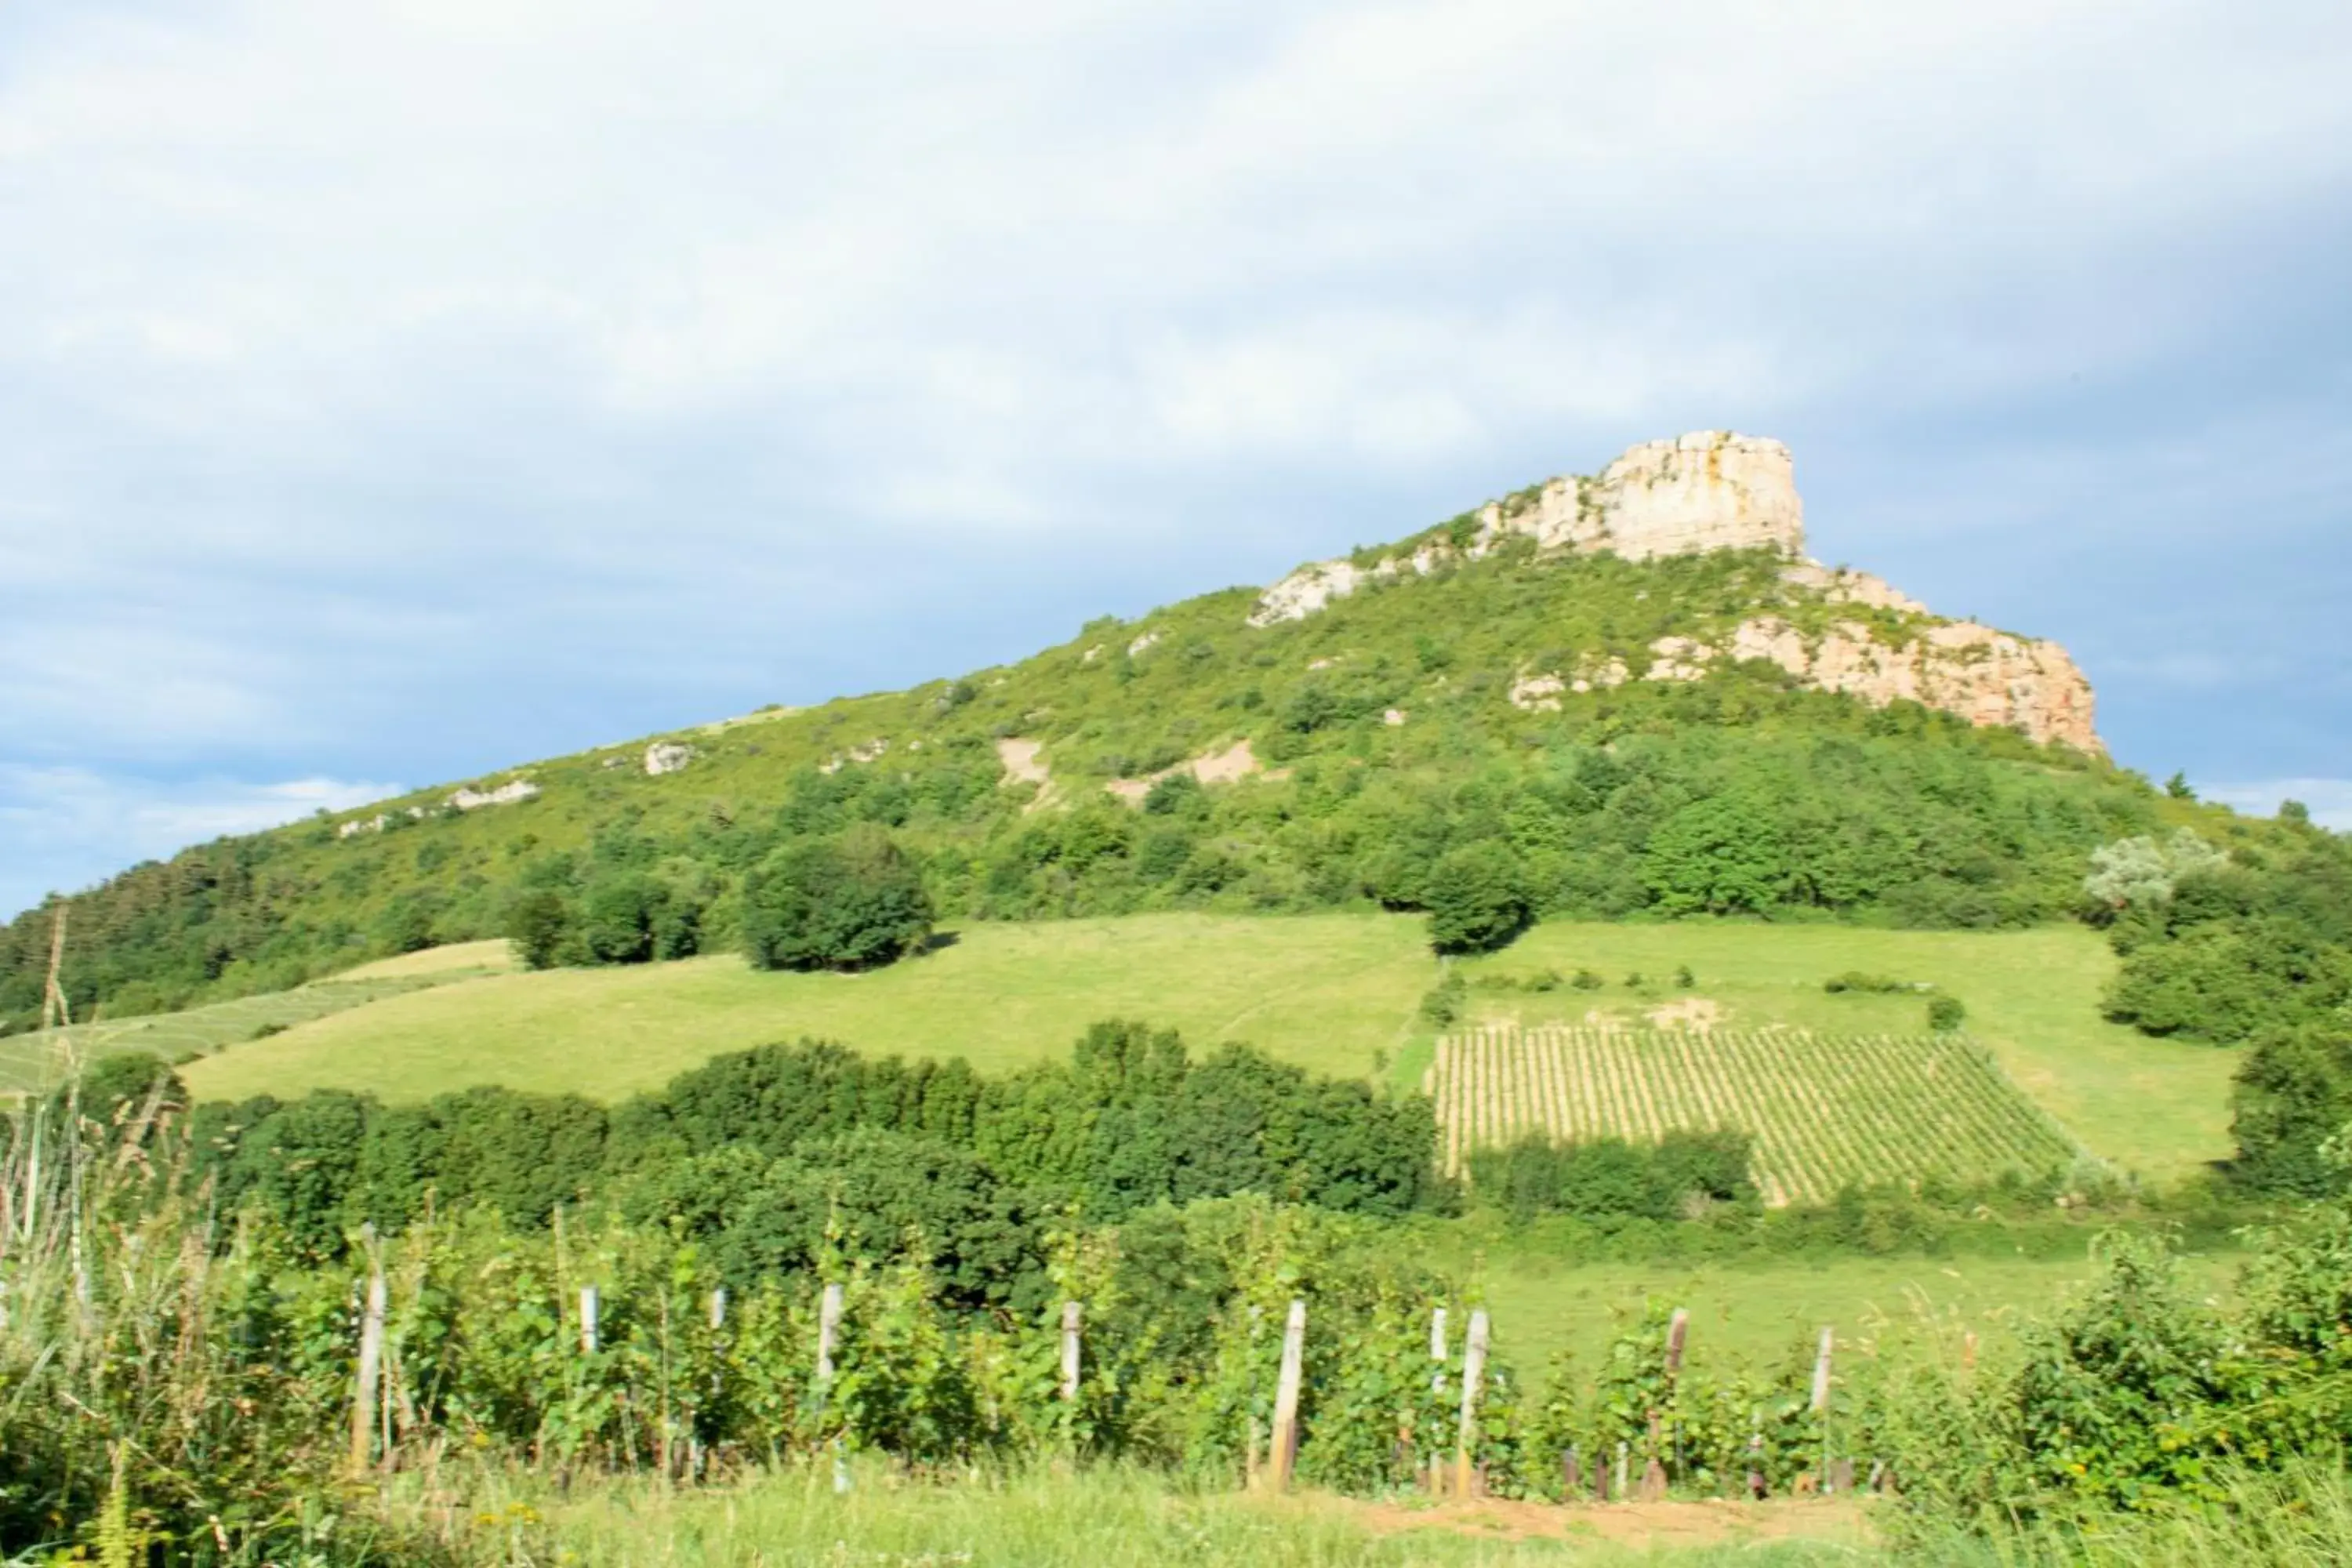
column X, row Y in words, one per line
column 1715, row 490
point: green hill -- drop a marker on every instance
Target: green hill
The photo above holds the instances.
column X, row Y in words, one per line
column 1334, row 760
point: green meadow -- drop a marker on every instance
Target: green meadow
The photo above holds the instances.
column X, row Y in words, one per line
column 1337, row 993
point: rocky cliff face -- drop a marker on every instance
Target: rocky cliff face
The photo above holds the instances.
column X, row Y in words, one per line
column 1715, row 490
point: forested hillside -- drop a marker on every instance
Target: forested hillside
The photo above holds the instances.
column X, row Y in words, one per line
column 1335, row 759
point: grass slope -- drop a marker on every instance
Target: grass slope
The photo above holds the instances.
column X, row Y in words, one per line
column 1759, row 1311
column 34, row 1061
column 1334, row 993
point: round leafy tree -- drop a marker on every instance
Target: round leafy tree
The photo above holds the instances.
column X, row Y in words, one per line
column 1476, row 900
column 850, row 902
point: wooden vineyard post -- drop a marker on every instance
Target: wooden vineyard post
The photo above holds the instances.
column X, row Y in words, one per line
column 1756, row 1455
column 1474, row 1379
column 1072, row 1315
column 1284, row 1452
column 588, row 1319
column 1654, row 1473
column 371, row 1372
column 718, row 1309
column 1436, row 1465
column 1821, row 1403
column 828, row 1334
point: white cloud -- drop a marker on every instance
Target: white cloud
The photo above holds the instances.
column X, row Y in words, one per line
column 2330, row 800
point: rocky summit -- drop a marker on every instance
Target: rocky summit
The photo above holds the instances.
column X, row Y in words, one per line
column 1714, row 491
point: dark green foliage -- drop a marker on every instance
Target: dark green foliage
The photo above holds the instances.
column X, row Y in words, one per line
column 1683, row 1173
column 1719, row 855
column 617, row 917
column 1945, row 1014
column 1854, row 980
column 1442, row 1005
column 758, row 1151
column 2293, row 1111
column 538, row 924
column 2234, row 948
column 850, row 902
column 1478, row 899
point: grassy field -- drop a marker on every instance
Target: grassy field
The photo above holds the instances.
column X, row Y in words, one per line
column 1329, row 991
column 1335, row 993
column 33, row 1061
column 2154, row 1107
column 1760, row 1311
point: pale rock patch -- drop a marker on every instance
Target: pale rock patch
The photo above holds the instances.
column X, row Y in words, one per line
column 1679, row 658
column 667, row 757
column 1537, row 693
column 864, row 752
column 1233, row 764
column 1842, row 585
column 1019, row 760
column 1147, row 640
column 506, row 793
column 1393, row 718
column 1695, row 1014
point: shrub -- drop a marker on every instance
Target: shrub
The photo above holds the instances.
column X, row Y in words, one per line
column 1587, row 980
column 1945, row 1014
column 849, row 902
column 1856, row 981
column 1444, row 1005
column 1476, row 900
column 537, row 923
column 2291, row 1106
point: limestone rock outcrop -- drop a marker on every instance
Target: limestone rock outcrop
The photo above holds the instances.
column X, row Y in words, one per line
column 506, row 793
column 1710, row 491
column 1987, row 677
column 1716, row 491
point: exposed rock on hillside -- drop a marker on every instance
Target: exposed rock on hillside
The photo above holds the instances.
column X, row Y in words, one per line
column 1987, row 677
column 1710, row 491
column 506, row 793
column 1715, row 490
column 667, row 757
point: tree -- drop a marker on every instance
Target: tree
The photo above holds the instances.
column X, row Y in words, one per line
column 537, row 923
column 2178, row 787
column 619, row 916
column 849, row 902
column 1476, row 900
column 1720, row 855
column 2290, row 1109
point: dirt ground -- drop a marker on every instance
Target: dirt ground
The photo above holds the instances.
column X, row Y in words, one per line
column 1639, row 1524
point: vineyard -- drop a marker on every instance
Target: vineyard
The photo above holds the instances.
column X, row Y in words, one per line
column 1824, row 1110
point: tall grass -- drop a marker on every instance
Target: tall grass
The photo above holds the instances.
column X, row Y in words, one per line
column 1040, row 1518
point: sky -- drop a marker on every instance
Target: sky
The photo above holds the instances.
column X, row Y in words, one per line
column 392, row 391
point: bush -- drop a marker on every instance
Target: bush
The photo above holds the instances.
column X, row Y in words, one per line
column 1444, row 1006
column 2291, row 1107
column 1945, row 1014
column 850, row 902
column 537, row 923
column 1856, row 981
column 1476, row 900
